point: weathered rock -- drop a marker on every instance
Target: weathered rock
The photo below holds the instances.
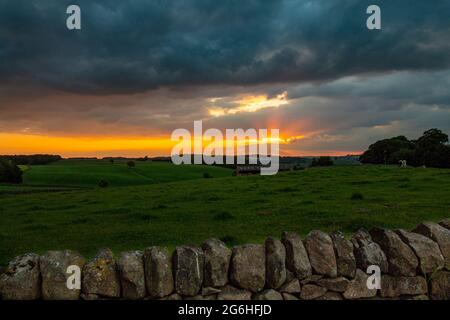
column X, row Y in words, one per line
column 297, row 259
column 419, row 297
column 188, row 264
column 291, row 287
column 268, row 294
column 290, row 276
column 331, row 296
column 217, row 261
column 319, row 247
column 401, row 259
column 345, row 259
column 357, row 288
column 430, row 256
column 311, row 279
column 445, row 223
column 132, row 277
column 288, row 296
column 440, row 286
column 21, row 279
column 90, row 297
column 248, row 267
column 100, row 276
column 158, row 272
column 207, row 291
column 337, row 284
column 275, row 263
column 312, row 291
column 200, row 297
column 367, row 252
column 174, row 296
column 53, row 266
column 398, row 286
column 231, row 293
column 438, row 234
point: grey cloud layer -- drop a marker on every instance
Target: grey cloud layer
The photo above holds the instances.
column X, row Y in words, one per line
column 146, row 67
column 133, row 46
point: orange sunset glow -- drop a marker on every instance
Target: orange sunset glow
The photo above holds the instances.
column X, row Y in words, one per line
column 108, row 146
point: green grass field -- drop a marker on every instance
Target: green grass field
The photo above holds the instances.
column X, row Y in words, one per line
column 236, row 209
column 87, row 173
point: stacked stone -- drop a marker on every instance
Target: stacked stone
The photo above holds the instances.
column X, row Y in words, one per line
column 414, row 265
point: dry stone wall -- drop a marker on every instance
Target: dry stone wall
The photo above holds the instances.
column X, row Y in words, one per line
column 414, row 265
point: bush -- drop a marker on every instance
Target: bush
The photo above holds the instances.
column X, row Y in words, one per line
column 10, row 172
column 103, row 184
column 357, row 196
column 206, row 175
column 131, row 164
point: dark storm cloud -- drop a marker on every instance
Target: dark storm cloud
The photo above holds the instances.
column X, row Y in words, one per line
column 133, row 46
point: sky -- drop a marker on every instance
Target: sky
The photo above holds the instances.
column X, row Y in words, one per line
column 137, row 70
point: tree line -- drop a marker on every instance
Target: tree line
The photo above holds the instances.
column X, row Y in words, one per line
column 430, row 150
column 31, row 159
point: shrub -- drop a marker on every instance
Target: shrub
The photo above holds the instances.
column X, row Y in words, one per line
column 357, row 196
column 10, row 172
column 207, row 175
column 131, row 164
column 103, row 184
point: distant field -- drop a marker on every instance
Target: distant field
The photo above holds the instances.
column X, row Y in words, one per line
column 236, row 209
column 87, row 173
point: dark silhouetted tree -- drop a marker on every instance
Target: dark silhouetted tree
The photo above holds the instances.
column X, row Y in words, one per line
column 383, row 151
column 432, row 149
column 10, row 172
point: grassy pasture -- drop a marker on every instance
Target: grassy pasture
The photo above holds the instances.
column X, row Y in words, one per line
column 236, row 209
column 87, row 173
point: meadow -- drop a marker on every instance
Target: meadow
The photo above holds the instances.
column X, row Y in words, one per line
column 87, row 173
column 161, row 204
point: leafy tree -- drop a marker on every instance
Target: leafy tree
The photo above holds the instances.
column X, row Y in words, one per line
column 382, row 152
column 10, row 172
column 403, row 154
column 432, row 149
column 433, row 136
